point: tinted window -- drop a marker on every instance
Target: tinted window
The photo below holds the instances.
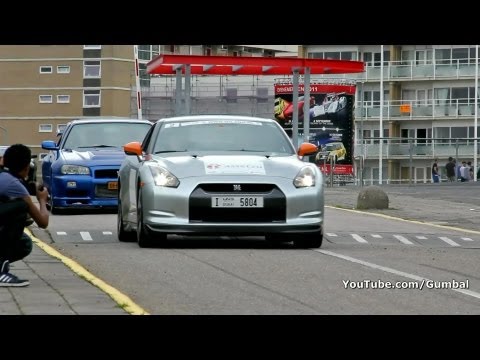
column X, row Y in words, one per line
column 113, row 134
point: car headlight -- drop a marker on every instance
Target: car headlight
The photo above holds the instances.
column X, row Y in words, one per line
column 74, row 170
column 305, row 178
column 163, row 177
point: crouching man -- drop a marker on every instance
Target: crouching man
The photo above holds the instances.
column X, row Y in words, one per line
column 15, row 204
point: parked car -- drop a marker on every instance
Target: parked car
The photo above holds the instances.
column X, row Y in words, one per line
column 32, row 173
column 223, row 175
column 332, row 151
column 81, row 169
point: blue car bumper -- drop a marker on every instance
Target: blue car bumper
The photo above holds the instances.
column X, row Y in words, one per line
column 82, row 191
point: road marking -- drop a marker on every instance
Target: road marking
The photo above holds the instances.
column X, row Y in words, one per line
column 121, row 299
column 377, row 236
column 391, row 271
column 359, row 238
column 466, row 239
column 107, row 233
column 331, row 234
column 403, row 239
column 421, row 237
column 61, row 233
column 448, row 241
column 85, row 235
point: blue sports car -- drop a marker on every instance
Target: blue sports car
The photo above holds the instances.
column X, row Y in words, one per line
column 81, row 169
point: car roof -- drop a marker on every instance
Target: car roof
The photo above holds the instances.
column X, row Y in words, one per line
column 108, row 119
column 214, row 117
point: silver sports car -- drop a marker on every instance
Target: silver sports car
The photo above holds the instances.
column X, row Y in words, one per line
column 219, row 175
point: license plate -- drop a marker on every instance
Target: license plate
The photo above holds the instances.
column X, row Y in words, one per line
column 237, row 201
column 112, row 185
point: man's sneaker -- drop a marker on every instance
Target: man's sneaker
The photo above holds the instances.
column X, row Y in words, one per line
column 4, row 266
column 10, row 280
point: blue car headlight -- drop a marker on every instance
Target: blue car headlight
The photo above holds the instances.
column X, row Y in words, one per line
column 163, row 177
column 305, row 178
column 74, row 170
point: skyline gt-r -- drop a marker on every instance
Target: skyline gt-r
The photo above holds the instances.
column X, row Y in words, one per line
column 219, row 175
column 81, row 170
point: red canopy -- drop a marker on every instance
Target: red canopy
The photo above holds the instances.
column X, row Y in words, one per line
column 239, row 65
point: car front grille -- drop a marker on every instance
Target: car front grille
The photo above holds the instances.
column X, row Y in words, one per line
column 201, row 210
column 106, row 174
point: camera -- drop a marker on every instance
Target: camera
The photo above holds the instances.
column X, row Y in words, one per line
column 32, row 187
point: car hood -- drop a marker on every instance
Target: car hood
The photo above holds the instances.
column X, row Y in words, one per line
column 94, row 157
column 218, row 165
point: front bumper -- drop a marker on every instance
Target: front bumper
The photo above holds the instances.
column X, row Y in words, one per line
column 176, row 210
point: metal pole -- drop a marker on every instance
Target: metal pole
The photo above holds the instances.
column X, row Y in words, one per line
column 475, row 127
column 137, row 83
column 178, row 92
column 361, row 131
column 295, row 109
column 410, row 162
column 306, row 105
column 457, row 161
column 380, row 157
column 188, row 99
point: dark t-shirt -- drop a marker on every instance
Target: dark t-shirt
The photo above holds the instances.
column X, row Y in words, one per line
column 450, row 167
column 435, row 169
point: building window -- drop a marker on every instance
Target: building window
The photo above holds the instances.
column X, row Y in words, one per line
column 63, row 99
column 61, row 128
column 45, row 128
column 45, row 70
column 92, row 47
column 91, row 69
column 63, row 69
column 45, row 99
column 91, row 98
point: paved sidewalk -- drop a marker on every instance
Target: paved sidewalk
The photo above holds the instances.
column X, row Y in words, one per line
column 56, row 289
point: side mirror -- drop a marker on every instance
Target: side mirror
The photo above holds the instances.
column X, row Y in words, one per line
column 133, row 148
column 49, row 145
column 306, row 149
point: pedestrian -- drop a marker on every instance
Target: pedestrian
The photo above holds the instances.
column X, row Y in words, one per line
column 15, row 244
column 450, row 168
column 435, row 173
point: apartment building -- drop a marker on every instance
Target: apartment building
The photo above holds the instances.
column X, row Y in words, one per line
column 42, row 87
column 428, row 107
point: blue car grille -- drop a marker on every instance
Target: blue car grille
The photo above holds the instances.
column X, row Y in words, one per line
column 106, row 174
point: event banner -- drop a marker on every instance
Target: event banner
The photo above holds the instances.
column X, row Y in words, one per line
column 331, row 119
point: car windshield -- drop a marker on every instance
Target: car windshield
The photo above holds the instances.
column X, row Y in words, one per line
column 104, row 135
column 221, row 136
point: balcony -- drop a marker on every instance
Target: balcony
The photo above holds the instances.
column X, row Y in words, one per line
column 417, row 109
column 398, row 148
column 415, row 70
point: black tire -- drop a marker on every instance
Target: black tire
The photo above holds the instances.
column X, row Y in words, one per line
column 143, row 238
column 308, row 240
column 124, row 236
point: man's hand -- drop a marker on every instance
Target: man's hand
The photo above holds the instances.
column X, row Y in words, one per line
column 42, row 193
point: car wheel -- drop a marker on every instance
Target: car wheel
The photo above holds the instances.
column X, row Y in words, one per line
column 50, row 206
column 308, row 240
column 124, row 236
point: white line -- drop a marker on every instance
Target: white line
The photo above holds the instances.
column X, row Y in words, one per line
column 359, row 238
column 377, row 236
column 448, row 241
column 466, row 239
column 107, row 233
column 421, row 237
column 61, row 233
column 403, row 239
column 85, row 235
column 391, row 271
column 331, row 234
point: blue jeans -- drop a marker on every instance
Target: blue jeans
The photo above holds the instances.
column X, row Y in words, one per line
column 436, row 178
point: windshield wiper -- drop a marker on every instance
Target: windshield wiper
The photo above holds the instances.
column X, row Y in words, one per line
column 247, row 150
column 94, row 146
column 169, row 151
